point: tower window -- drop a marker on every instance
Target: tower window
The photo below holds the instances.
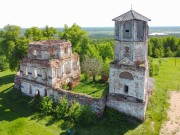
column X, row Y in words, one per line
column 127, row 30
column 126, row 89
column 140, row 29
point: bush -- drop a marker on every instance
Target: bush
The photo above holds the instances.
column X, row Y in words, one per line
column 63, row 108
column 46, row 106
column 74, row 111
column 154, row 67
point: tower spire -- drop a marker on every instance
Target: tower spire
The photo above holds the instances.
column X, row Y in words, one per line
column 131, row 6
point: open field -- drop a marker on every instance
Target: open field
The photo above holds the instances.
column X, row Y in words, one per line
column 17, row 112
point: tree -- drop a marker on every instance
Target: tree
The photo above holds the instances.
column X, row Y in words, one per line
column 178, row 51
column 49, row 32
column 169, row 53
column 106, row 66
column 34, row 34
column 77, row 37
column 13, row 45
column 92, row 66
column 3, row 63
column 106, row 50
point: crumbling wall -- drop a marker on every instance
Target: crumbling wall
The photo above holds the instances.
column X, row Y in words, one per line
column 128, row 105
column 97, row 105
column 32, row 89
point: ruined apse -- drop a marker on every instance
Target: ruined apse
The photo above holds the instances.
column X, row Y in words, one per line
column 49, row 64
column 130, row 85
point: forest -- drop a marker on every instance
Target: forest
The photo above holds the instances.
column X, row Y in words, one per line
column 14, row 44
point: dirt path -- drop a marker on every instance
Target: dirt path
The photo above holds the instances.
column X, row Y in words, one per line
column 172, row 126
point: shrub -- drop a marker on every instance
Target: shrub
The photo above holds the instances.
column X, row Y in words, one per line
column 63, row 108
column 46, row 105
column 154, row 67
column 74, row 111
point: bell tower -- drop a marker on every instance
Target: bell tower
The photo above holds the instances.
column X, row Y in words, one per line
column 129, row 72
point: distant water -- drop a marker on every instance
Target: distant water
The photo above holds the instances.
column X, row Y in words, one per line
column 155, row 30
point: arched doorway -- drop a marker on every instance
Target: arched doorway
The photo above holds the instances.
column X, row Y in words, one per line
column 69, row 83
column 45, row 92
column 37, row 94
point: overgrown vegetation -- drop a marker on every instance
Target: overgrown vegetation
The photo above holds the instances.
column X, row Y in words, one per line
column 73, row 112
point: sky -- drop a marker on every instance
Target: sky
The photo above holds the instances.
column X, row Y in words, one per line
column 85, row 13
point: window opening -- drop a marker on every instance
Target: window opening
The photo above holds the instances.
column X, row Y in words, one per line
column 126, row 89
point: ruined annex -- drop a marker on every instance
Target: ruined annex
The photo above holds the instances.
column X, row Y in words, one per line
column 48, row 65
column 130, row 85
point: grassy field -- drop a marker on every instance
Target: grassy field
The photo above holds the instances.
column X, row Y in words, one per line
column 94, row 89
column 17, row 112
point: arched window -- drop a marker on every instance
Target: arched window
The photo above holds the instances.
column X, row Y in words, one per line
column 126, row 75
column 30, row 90
column 140, row 29
column 35, row 73
column 45, row 92
column 25, row 71
column 127, row 30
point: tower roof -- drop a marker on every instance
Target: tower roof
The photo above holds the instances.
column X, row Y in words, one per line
column 131, row 15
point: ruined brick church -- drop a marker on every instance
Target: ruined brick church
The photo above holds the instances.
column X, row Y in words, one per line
column 129, row 84
column 51, row 63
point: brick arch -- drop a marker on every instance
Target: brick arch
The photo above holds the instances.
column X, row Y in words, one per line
column 126, row 75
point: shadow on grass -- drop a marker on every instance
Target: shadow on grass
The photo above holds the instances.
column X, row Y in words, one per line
column 13, row 104
column 111, row 123
column 6, row 79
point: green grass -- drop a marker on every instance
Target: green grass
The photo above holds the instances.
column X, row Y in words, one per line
column 88, row 87
column 17, row 112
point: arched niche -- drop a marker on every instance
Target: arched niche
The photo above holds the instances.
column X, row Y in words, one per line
column 126, row 75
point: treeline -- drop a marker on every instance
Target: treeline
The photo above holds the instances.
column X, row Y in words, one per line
column 164, row 47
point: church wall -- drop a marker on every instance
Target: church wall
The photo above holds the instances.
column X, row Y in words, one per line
column 135, row 87
column 31, row 88
column 135, row 109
